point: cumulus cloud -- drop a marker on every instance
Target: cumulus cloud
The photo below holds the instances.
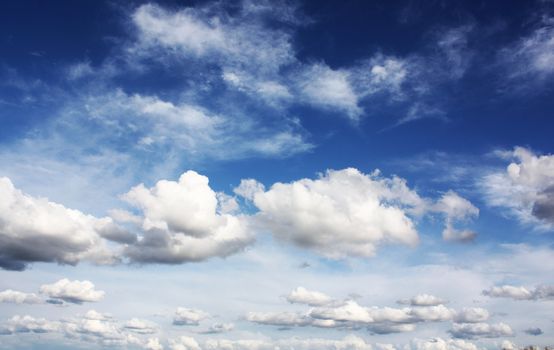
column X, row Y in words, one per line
column 36, row 230
column 16, row 297
column 520, row 292
column 343, row 213
column 189, row 317
column 524, row 188
column 301, row 295
column 480, row 330
column 76, row 292
column 422, row 300
column 347, row 213
column 181, row 222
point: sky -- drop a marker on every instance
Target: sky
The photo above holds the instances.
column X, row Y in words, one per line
column 263, row 175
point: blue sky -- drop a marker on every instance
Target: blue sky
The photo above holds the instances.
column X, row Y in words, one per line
column 270, row 174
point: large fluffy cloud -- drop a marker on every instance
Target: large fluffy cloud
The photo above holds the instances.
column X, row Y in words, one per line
column 343, row 213
column 182, row 222
column 525, row 188
column 36, row 230
column 347, row 213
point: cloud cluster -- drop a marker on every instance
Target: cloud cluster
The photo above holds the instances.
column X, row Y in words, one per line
column 181, row 222
column 64, row 290
column 258, row 58
column 37, row 230
column 343, row 213
column 92, row 328
column 520, row 292
column 349, row 314
column 349, row 342
column 348, row 213
column 76, row 292
column 525, row 188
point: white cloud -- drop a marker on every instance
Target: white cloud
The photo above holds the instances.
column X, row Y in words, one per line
column 141, row 326
column 72, row 291
column 153, row 344
column 181, row 222
column 520, row 292
column 217, row 328
column 16, row 297
column 456, row 208
column 343, row 213
column 248, row 188
column 301, row 295
column 480, row 330
column 95, row 315
column 35, row 229
column 351, row 342
column 381, row 74
column 150, row 123
column 423, row 300
column 26, row 324
column 524, row 188
column 442, row 344
column 471, row 315
column 189, row 317
column 329, row 89
column 184, row 343
column 94, row 327
column 532, row 57
column 282, row 319
column 210, row 33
